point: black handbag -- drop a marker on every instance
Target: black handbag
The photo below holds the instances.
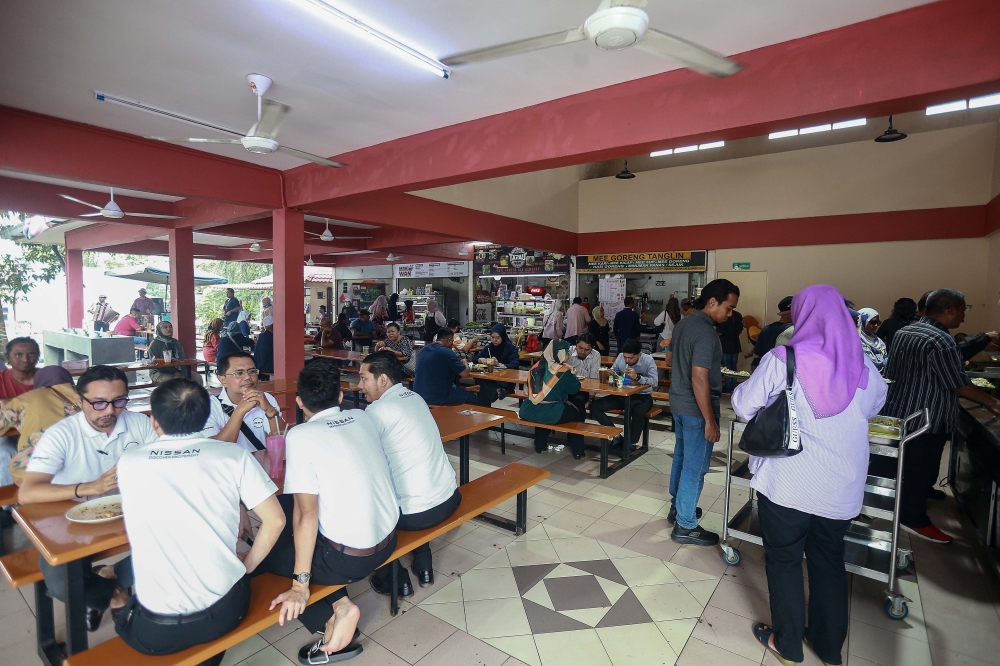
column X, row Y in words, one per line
column 773, row 432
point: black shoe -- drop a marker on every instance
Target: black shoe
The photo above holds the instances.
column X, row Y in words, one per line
column 94, row 618
column 578, row 456
column 672, row 514
column 936, row 494
column 424, row 578
column 312, row 654
column 501, row 394
column 383, row 587
column 6, row 519
column 697, row 536
column 616, row 442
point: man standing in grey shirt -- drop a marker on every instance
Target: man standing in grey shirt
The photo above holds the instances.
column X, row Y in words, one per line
column 695, row 388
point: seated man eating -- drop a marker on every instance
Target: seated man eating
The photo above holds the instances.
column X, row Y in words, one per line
column 421, row 472
column 640, row 368
column 257, row 413
column 341, row 513
column 438, row 367
column 77, row 459
column 181, row 496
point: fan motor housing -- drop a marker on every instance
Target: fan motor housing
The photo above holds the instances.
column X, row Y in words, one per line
column 259, row 144
column 616, row 28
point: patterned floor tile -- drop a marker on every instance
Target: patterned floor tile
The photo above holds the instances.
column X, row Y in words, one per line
column 636, row 645
column 547, row 621
column 495, row 618
column 576, row 593
column 627, row 610
column 572, row 648
column 668, row 602
column 521, row 647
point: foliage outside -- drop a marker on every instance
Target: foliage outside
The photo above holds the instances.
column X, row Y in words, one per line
column 209, row 300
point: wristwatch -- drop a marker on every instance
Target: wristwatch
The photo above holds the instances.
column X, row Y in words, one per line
column 302, row 578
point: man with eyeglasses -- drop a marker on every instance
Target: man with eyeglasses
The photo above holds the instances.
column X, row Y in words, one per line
column 77, row 459
column 19, row 376
column 241, row 413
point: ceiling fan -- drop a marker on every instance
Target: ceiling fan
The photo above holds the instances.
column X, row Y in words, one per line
column 616, row 25
column 327, row 236
column 393, row 257
column 113, row 210
column 261, row 137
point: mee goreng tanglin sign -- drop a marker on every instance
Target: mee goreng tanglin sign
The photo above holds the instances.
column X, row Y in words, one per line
column 643, row 262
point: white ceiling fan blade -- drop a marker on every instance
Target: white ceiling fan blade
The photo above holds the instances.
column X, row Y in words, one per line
column 160, row 138
column 272, row 115
column 513, row 48
column 309, row 157
column 98, row 214
column 690, row 55
column 638, row 4
column 162, row 217
column 79, row 201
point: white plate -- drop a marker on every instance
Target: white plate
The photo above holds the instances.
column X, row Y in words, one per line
column 95, row 507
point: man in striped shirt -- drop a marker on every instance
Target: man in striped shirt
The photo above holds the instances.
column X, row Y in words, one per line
column 929, row 372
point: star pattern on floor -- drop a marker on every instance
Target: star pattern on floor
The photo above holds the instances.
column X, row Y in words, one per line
column 551, row 596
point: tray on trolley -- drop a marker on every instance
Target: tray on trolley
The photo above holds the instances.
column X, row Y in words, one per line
column 872, row 541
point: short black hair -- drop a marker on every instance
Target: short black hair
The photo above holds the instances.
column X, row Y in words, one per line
column 180, row 406
column 222, row 364
column 588, row 338
column 23, row 341
column 454, row 323
column 632, row 346
column 444, row 334
column 384, row 363
column 319, row 385
column 719, row 289
column 942, row 300
column 394, row 325
column 785, row 304
column 227, row 289
column 689, row 302
column 922, row 303
column 577, row 301
column 133, row 310
column 629, row 301
column 101, row 373
column 364, row 313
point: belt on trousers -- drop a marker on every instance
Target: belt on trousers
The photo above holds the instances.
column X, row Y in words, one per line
column 360, row 552
column 171, row 620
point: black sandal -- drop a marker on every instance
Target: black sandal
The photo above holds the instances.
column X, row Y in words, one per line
column 313, row 655
column 763, row 633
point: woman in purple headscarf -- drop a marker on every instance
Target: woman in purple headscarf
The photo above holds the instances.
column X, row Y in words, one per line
column 807, row 501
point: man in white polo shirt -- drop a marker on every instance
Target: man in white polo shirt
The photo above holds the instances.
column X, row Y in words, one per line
column 343, row 526
column 181, row 496
column 256, row 413
column 421, row 472
column 76, row 459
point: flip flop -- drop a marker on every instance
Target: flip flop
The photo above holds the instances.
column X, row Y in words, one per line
column 762, row 633
column 313, row 655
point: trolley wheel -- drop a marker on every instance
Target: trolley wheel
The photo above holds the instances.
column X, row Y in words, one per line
column 904, row 610
column 732, row 557
column 903, row 562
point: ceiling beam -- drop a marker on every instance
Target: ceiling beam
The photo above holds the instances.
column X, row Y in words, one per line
column 895, row 63
column 159, row 248
column 99, row 237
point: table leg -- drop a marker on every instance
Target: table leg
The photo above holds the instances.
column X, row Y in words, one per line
column 463, row 460
column 604, row 458
column 76, row 606
column 394, row 595
column 627, row 432
column 45, row 630
column 522, row 512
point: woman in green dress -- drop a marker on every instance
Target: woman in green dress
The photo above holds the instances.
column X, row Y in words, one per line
column 550, row 384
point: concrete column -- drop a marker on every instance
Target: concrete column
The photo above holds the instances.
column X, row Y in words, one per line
column 181, row 247
column 74, row 288
column 289, row 283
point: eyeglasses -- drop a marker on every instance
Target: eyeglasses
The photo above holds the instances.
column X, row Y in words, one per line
column 239, row 374
column 101, row 405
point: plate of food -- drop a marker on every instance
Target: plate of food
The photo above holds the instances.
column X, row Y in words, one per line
column 983, row 383
column 735, row 373
column 100, row 510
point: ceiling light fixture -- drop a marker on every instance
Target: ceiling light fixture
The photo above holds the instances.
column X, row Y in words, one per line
column 661, row 153
column 255, row 247
column 960, row 105
column 986, row 100
column 477, row 243
column 814, row 129
column 857, row 122
column 709, row 146
column 782, row 134
column 890, row 134
column 425, row 61
column 625, row 173
column 685, row 149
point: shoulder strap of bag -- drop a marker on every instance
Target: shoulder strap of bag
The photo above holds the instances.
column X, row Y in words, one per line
column 790, row 367
column 244, row 428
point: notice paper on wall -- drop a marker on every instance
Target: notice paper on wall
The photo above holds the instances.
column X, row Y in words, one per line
column 611, row 294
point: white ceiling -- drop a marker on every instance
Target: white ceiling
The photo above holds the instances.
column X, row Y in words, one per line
column 347, row 90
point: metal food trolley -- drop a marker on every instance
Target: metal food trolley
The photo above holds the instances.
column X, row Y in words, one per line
column 872, row 540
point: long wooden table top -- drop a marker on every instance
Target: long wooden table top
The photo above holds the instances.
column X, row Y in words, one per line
column 455, row 421
column 609, row 360
column 341, row 354
column 588, row 385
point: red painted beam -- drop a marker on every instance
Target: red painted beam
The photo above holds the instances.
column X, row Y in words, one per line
column 900, row 62
column 204, row 214
column 390, row 237
column 33, row 143
column 993, row 215
column 99, row 236
column 74, row 288
column 160, row 248
column 182, row 251
column 25, row 196
column 289, row 285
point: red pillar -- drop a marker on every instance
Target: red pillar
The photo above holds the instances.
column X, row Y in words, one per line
column 289, row 283
column 74, row 288
column 181, row 244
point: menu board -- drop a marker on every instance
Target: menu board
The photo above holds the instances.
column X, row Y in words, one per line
column 507, row 260
column 611, row 294
column 643, row 262
column 432, row 269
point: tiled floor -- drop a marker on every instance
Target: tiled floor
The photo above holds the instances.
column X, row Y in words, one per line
column 597, row 581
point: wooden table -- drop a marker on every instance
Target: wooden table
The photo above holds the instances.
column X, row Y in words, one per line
column 608, row 360
column 340, row 354
column 278, row 387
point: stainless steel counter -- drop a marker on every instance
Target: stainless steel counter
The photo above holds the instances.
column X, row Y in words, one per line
column 974, row 474
column 62, row 346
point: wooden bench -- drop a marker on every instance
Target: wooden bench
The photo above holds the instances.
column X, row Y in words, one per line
column 651, row 414
column 477, row 497
column 664, row 396
column 8, row 497
column 22, row 568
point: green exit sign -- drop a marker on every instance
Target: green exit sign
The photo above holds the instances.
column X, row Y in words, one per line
column 741, row 265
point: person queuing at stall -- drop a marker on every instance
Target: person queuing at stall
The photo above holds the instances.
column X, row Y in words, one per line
column 434, row 320
column 19, row 375
column 687, row 307
column 551, row 383
column 363, row 331
column 438, row 368
column 401, row 347
column 129, row 325
column 328, row 336
column 380, row 316
column 394, row 307
column 577, row 320
column 243, row 319
column 873, row 346
column 499, row 352
column 552, row 323
column 165, row 342
column 928, row 372
column 210, row 345
column 350, row 310
column 600, row 329
column 143, row 304
column 343, row 327
column 232, row 307
column 627, row 326
column 422, row 475
column 665, row 322
column 266, row 308
column 695, row 390
column 806, row 502
column 77, row 458
column 181, row 498
column 322, row 543
column 641, row 369
column 769, row 334
column 263, row 351
column 256, row 412
column 904, row 313
column 408, row 312
column 729, row 336
column 99, row 312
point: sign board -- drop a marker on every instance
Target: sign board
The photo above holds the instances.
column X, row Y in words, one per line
column 741, row 265
column 432, row 269
column 643, row 262
column 501, row 260
column 611, row 294
column 661, row 283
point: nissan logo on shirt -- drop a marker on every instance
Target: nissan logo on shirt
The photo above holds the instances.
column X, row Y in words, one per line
column 169, row 454
column 336, row 423
column 258, row 422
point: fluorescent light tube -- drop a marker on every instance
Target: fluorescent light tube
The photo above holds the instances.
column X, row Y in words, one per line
column 857, row 122
column 714, row 144
column 988, row 100
column 814, row 129
column 417, row 57
column 661, row 153
column 946, row 108
column 686, row 149
column 782, row 134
